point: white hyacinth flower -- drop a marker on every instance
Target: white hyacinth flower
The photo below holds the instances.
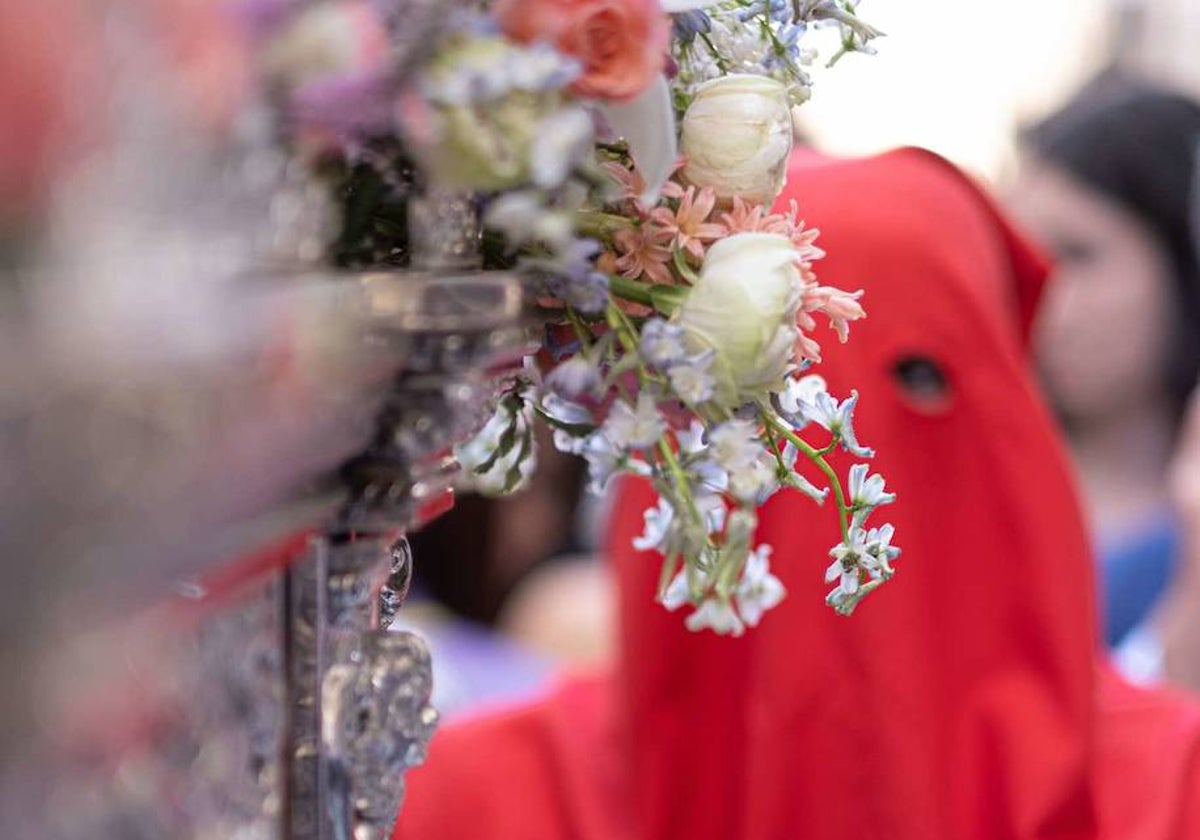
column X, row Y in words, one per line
column 573, row 377
column 881, row 551
column 659, row 526
column 847, row 565
column 634, row 428
column 716, row 615
column 661, row 343
column 734, row 445
column 691, row 439
column 838, row 418
column 759, row 590
column 677, row 592
column 867, row 493
column 691, row 381
column 797, row 400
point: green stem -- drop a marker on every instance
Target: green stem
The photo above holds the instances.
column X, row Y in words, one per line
column 601, row 225
column 630, row 290
column 817, row 458
column 722, row 65
column 581, row 331
column 668, row 456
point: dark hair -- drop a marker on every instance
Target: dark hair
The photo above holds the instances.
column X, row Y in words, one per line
column 1138, row 145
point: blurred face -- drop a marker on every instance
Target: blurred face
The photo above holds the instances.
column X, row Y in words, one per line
column 1101, row 337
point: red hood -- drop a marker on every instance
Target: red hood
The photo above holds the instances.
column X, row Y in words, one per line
column 960, row 700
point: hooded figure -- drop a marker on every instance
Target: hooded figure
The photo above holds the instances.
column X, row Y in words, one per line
column 962, row 700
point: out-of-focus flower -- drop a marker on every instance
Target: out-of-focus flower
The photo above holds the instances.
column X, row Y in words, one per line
column 688, row 222
column 734, row 445
column 716, row 615
column 634, row 427
column 523, row 218
column 501, row 457
column 573, row 377
column 562, row 139
column 743, row 306
column 488, row 109
column 661, row 343
column 690, row 379
column 658, row 527
column 676, row 594
column 622, row 44
column 326, row 39
column 759, row 590
column 736, row 136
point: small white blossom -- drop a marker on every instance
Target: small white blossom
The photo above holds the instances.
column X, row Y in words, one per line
column 661, row 343
column 715, row 615
column 712, row 512
column 734, row 445
column 881, row 551
column 756, row 482
column 838, row 418
column 634, row 428
column 796, row 481
column 602, row 459
column 573, row 377
column 759, row 590
column 677, row 592
column 867, row 493
column 797, row 400
column 691, row 439
column 847, row 565
column 659, row 525
column 691, row 381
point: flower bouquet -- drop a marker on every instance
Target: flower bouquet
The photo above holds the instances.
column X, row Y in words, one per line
column 624, row 156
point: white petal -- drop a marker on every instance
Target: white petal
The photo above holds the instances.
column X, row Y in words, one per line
column 677, row 592
column 648, row 124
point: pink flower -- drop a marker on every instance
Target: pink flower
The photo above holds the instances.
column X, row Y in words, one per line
column 622, row 44
column 841, row 307
column 633, row 186
column 688, row 224
column 645, row 253
column 754, row 218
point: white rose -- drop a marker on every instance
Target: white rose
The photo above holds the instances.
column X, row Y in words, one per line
column 744, row 307
column 736, row 136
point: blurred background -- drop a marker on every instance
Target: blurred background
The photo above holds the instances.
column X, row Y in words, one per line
column 960, row 77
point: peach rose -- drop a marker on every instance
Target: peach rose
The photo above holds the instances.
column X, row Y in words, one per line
column 621, row 44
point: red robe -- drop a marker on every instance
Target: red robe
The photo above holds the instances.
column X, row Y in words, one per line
column 963, row 700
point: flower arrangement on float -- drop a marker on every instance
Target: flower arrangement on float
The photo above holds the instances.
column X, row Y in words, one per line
column 625, row 157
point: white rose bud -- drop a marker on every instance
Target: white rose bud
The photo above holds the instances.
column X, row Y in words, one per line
column 736, row 136
column 744, row 306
